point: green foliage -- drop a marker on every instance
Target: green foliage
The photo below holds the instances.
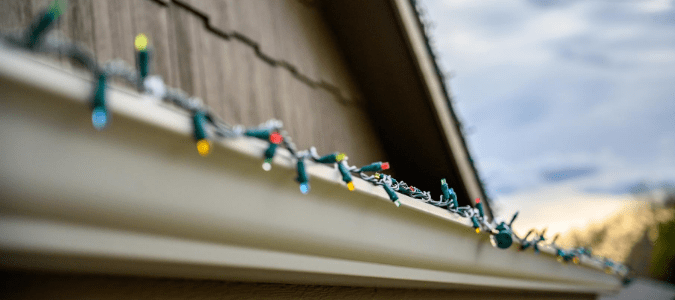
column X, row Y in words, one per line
column 663, row 256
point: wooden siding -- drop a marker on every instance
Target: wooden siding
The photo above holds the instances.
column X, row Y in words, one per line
column 249, row 60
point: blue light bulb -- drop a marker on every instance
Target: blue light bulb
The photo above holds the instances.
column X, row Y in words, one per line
column 304, row 187
column 99, row 118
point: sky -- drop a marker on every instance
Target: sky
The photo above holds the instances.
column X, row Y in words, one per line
column 566, row 105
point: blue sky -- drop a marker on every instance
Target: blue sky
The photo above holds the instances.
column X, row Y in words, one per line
column 562, row 101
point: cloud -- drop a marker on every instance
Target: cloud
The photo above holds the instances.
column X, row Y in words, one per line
column 655, row 6
column 551, row 88
column 640, row 188
column 568, row 173
column 551, row 4
column 590, row 58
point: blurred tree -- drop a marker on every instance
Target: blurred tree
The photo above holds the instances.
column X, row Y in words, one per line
column 653, row 256
column 642, row 235
column 662, row 265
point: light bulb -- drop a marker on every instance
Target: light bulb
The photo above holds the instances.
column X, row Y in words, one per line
column 276, row 138
column 350, row 185
column 267, row 166
column 141, row 42
column 304, row 187
column 397, row 203
column 99, row 118
column 204, row 147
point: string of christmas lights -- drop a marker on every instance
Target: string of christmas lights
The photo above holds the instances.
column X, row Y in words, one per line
column 207, row 126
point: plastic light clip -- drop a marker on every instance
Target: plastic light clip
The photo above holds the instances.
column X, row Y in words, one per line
column 346, row 177
column 476, row 224
column 444, row 189
column 142, row 57
column 328, row 159
column 199, row 123
column 39, row 28
column 391, row 193
column 262, row 134
column 271, row 150
column 375, row 167
column 302, row 176
column 479, row 205
column 99, row 115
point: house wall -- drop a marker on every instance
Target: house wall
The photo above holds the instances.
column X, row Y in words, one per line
column 249, row 60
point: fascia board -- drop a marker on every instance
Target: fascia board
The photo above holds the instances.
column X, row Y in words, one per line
column 415, row 37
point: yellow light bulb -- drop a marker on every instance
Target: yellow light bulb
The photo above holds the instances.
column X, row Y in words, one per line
column 477, row 230
column 576, row 260
column 141, row 42
column 350, row 185
column 340, row 157
column 203, row 147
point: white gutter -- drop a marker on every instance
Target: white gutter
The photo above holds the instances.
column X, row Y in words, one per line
column 137, row 199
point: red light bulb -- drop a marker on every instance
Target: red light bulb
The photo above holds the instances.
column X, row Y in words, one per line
column 385, row 166
column 276, row 138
